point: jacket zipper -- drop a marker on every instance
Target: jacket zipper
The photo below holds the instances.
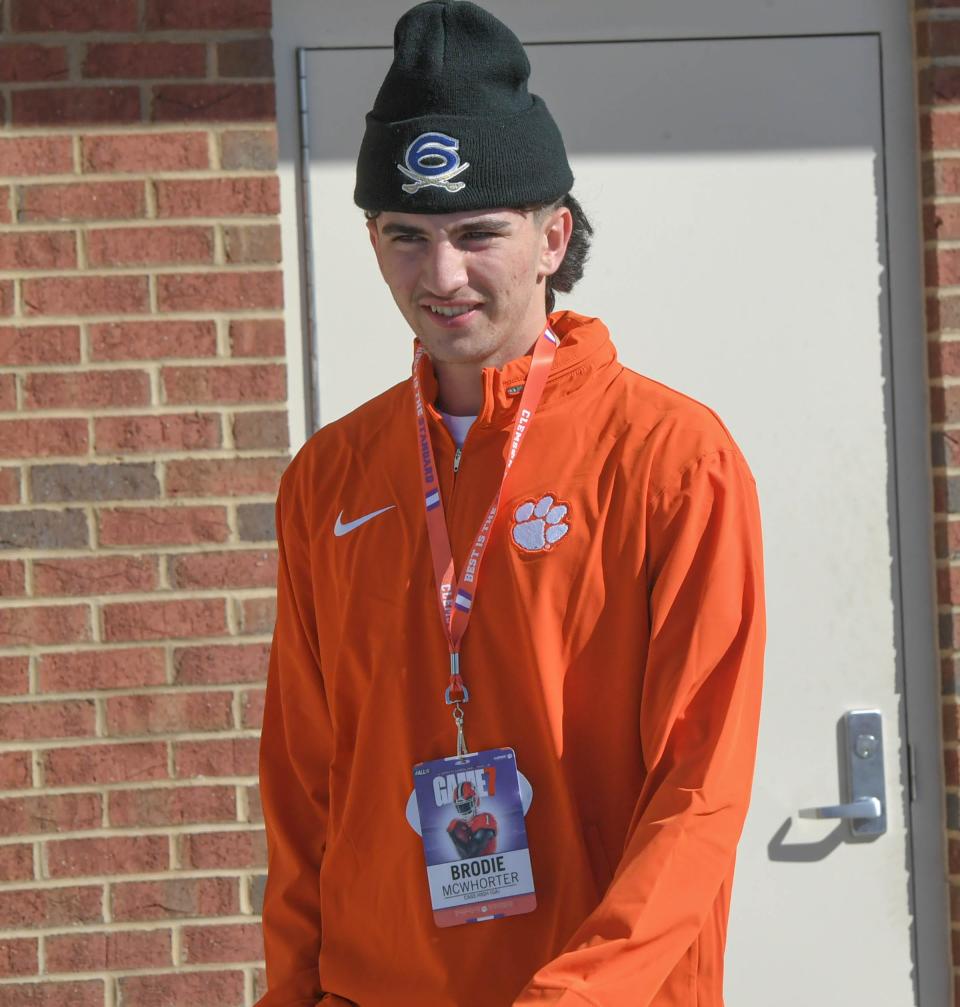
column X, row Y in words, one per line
column 458, row 455
column 457, row 460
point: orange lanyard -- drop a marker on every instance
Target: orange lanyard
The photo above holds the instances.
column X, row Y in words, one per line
column 456, row 597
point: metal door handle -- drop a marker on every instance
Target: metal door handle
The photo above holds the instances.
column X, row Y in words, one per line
column 863, row 782
column 869, row 807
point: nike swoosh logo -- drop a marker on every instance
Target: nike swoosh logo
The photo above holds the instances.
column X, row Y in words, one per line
column 341, row 528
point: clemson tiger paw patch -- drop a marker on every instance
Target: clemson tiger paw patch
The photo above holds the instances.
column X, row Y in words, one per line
column 538, row 525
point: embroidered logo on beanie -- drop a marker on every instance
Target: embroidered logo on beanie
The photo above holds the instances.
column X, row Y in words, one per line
column 433, row 160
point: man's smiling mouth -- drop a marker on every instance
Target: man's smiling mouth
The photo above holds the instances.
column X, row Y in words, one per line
column 452, row 311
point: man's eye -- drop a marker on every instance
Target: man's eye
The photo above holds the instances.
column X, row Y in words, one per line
column 479, row 235
column 406, row 238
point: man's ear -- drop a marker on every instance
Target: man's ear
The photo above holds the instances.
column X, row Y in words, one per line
column 555, row 236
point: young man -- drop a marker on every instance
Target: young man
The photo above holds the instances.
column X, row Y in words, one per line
column 525, row 551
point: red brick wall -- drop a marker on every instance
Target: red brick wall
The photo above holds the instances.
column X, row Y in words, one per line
column 143, row 430
column 938, row 53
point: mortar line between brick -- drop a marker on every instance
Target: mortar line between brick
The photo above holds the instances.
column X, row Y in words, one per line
column 149, row 972
column 111, row 366
column 33, row 677
column 74, row 48
column 80, row 236
column 213, row 151
column 135, row 832
column 935, row 14
column 219, row 246
column 191, row 593
column 151, row 269
column 176, row 945
column 18, row 132
column 93, row 611
column 145, row 85
column 118, row 177
column 135, row 784
column 139, row 877
column 173, row 550
column 250, row 315
column 246, row 903
column 243, row 733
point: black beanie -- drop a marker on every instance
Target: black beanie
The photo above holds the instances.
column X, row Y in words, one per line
column 453, row 126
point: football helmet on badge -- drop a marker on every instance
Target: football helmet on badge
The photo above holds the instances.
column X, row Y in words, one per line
column 466, row 799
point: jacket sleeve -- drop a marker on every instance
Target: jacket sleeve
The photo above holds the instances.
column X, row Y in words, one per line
column 698, row 729
column 296, row 748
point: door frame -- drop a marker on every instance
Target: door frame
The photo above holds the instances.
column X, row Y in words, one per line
column 336, row 24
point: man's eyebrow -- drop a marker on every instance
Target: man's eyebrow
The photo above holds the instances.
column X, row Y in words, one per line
column 401, row 229
column 495, row 224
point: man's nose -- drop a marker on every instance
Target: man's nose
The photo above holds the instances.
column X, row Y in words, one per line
column 445, row 269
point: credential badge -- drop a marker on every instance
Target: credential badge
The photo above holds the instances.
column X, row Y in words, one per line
column 433, row 160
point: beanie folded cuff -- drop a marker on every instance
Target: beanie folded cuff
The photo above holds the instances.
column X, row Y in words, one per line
column 497, row 161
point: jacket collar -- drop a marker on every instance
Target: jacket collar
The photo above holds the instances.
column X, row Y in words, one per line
column 585, row 348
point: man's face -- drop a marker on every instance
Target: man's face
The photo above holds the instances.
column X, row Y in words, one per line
column 471, row 284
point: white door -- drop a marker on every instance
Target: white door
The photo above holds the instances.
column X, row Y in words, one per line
column 738, row 190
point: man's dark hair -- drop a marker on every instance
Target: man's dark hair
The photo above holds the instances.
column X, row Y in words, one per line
column 571, row 269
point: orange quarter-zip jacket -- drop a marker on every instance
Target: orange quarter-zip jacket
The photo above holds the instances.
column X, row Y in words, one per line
column 622, row 660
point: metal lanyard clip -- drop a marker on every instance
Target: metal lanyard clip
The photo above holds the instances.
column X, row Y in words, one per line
column 456, row 691
column 456, row 694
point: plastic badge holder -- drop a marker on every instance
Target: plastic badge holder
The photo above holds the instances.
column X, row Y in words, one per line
column 474, row 837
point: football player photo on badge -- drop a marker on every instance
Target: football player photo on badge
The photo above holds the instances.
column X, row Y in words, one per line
column 474, row 837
